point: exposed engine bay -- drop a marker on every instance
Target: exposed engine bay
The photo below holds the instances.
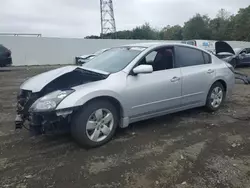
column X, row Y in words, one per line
column 44, row 122
column 226, row 53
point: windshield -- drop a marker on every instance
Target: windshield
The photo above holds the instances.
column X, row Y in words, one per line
column 100, row 51
column 237, row 50
column 114, row 60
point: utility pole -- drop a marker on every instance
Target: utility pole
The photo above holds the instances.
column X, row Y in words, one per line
column 107, row 17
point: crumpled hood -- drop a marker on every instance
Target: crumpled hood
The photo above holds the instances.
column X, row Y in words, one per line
column 221, row 46
column 38, row 82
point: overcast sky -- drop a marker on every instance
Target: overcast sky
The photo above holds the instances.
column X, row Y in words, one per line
column 78, row 18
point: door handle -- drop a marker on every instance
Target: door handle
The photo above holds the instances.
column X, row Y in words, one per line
column 210, row 71
column 175, row 79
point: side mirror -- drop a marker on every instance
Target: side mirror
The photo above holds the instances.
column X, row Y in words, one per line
column 143, row 69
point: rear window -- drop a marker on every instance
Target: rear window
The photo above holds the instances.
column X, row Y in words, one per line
column 207, row 58
column 248, row 50
column 188, row 57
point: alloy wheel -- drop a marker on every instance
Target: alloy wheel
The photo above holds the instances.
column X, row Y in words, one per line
column 216, row 97
column 99, row 125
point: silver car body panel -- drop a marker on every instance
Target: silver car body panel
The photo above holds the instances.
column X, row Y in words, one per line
column 149, row 95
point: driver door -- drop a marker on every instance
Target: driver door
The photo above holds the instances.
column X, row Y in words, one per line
column 152, row 94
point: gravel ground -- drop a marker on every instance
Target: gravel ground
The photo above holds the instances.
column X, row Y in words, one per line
column 191, row 149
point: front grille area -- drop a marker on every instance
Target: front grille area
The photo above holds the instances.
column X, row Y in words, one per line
column 24, row 100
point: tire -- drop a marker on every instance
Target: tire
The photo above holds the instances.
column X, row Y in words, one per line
column 79, row 124
column 220, row 98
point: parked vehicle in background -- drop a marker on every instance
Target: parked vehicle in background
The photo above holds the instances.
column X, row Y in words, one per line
column 244, row 56
column 204, row 44
column 236, row 57
column 85, row 58
column 5, row 56
column 121, row 86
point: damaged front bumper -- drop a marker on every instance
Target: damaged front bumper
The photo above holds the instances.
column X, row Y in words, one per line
column 40, row 122
column 40, row 95
column 45, row 122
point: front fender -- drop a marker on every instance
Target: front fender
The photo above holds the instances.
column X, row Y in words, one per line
column 79, row 98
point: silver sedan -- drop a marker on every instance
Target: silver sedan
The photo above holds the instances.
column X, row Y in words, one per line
column 123, row 85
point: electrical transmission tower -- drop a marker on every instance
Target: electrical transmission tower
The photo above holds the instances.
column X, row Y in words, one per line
column 107, row 17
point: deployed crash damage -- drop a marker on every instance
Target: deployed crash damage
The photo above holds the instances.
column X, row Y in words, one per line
column 225, row 52
column 124, row 85
column 32, row 105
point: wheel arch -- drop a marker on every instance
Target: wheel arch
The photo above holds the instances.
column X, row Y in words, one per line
column 220, row 80
column 117, row 104
column 224, row 84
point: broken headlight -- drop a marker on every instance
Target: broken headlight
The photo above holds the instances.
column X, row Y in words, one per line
column 50, row 101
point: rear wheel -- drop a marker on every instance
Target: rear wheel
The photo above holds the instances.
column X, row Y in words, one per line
column 215, row 97
column 95, row 124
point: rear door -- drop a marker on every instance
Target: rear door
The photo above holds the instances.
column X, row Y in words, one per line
column 197, row 74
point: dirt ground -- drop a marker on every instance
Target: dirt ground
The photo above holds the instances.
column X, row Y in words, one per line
column 191, row 149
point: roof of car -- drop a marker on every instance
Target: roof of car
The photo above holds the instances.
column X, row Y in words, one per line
column 146, row 45
column 159, row 44
column 151, row 44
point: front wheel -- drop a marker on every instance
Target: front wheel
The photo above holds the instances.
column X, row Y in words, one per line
column 215, row 97
column 95, row 124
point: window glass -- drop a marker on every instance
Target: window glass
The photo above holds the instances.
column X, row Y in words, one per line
column 160, row 59
column 243, row 52
column 114, row 60
column 151, row 57
column 188, row 57
column 207, row 58
column 191, row 43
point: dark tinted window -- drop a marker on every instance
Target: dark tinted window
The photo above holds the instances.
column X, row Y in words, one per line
column 207, row 58
column 188, row 57
column 248, row 50
column 2, row 48
column 160, row 59
column 191, row 43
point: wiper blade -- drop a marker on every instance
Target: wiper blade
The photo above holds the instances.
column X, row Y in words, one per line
column 92, row 73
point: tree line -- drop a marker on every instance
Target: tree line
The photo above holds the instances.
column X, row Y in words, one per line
column 223, row 27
